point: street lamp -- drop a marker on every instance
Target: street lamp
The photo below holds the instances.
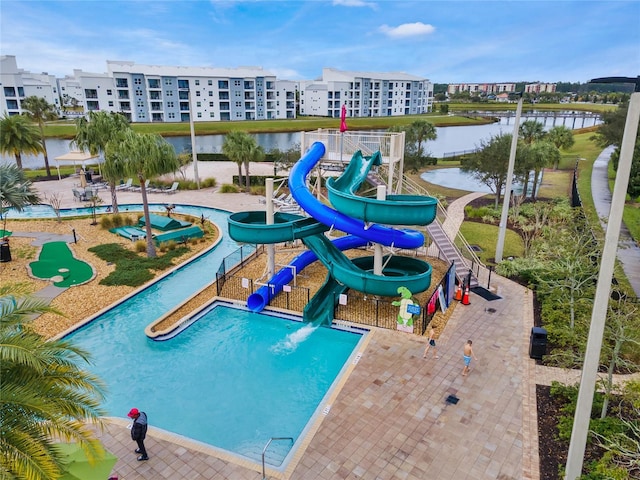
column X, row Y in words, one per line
column 578, row 441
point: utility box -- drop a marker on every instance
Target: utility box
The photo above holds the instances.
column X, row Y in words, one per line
column 537, row 343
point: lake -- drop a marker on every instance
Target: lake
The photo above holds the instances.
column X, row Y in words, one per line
column 450, row 139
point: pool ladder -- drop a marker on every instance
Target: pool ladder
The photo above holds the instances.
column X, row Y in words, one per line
column 264, row 450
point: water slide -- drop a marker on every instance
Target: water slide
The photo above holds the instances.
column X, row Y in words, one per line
column 344, row 273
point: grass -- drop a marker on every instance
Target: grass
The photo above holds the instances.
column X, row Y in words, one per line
column 499, row 106
column 486, row 237
column 276, row 126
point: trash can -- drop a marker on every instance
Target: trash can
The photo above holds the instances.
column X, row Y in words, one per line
column 5, row 252
column 537, row 343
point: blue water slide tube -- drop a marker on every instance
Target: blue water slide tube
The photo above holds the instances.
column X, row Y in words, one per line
column 373, row 233
column 258, row 300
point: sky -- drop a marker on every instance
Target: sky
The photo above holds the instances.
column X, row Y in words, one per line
column 444, row 41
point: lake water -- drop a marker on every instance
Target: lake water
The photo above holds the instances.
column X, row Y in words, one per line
column 450, row 139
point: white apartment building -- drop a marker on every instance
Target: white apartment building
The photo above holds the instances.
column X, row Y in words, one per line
column 540, row 88
column 481, row 88
column 92, row 91
column 152, row 93
column 365, row 94
column 17, row 84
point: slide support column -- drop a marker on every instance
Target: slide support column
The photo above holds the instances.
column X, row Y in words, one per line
column 381, row 194
column 271, row 248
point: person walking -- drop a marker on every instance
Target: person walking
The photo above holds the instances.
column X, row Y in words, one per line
column 467, row 354
column 431, row 343
column 139, row 431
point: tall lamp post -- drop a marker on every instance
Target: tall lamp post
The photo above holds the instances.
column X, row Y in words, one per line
column 502, row 231
column 577, row 445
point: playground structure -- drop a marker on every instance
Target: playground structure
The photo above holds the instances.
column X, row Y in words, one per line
column 365, row 219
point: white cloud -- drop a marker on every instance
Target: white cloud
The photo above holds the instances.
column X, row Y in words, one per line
column 353, row 3
column 408, row 30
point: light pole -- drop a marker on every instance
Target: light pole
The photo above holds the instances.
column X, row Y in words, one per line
column 577, row 444
column 507, row 188
column 194, row 154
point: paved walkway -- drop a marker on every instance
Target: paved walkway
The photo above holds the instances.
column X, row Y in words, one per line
column 628, row 249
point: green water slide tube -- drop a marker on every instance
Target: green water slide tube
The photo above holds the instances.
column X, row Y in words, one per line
column 393, row 210
column 251, row 227
column 406, row 272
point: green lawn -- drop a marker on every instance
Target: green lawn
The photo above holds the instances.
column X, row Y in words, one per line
column 273, row 126
column 486, row 237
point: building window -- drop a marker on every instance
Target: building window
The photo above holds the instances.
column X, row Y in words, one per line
column 197, row 93
column 211, row 104
column 223, row 84
column 237, row 83
column 212, row 115
column 169, row 93
column 197, row 82
column 109, row 92
column 171, row 115
column 199, row 114
column 111, row 103
column 168, row 82
column 154, row 83
column 169, row 104
column 211, row 93
column 198, row 104
column 122, row 83
column 183, row 83
column 137, row 81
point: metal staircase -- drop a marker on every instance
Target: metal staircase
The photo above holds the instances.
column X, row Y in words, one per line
column 444, row 243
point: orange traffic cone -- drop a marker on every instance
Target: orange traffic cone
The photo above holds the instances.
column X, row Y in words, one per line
column 458, row 295
column 465, row 297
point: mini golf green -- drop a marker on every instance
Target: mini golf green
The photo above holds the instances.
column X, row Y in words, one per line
column 57, row 263
column 4, row 233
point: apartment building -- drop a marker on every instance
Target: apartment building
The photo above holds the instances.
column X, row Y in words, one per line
column 152, row 93
column 92, row 91
column 481, row 88
column 540, row 88
column 365, row 94
column 17, row 84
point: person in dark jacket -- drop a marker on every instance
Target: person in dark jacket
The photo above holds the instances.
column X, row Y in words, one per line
column 139, row 431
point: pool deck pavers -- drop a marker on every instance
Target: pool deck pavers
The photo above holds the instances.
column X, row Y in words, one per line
column 389, row 419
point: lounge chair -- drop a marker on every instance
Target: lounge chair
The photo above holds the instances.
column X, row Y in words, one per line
column 125, row 186
column 138, row 189
column 173, row 188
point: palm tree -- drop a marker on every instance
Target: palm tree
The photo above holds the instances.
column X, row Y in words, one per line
column 15, row 191
column 256, row 154
column 562, row 138
column 540, row 155
column 531, row 131
column 45, row 396
column 40, row 111
column 145, row 156
column 237, row 147
column 93, row 134
column 19, row 136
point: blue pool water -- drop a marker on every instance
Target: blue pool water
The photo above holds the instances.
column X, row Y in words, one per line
column 233, row 379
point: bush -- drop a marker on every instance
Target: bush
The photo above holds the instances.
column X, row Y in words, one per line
column 106, row 222
column 258, row 191
column 228, row 188
column 208, row 182
column 140, row 246
column 117, row 220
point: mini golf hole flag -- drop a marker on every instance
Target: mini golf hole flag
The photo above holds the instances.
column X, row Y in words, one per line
column 343, row 119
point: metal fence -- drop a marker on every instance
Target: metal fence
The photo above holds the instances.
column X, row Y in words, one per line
column 359, row 308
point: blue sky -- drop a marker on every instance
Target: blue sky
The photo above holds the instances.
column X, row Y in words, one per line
column 445, row 41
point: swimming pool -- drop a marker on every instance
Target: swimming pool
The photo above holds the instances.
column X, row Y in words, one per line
column 186, row 384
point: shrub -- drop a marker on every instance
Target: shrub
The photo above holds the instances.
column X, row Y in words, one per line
column 117, row 220
column 106, row 222
column 228, row 188
column 209, row 182
column 258, row 190
column 140, row 246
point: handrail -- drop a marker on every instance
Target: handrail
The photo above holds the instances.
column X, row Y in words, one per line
column 414, row 187
column 264, row 476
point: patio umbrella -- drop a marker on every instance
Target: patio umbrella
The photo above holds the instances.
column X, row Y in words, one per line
column 77, row 466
